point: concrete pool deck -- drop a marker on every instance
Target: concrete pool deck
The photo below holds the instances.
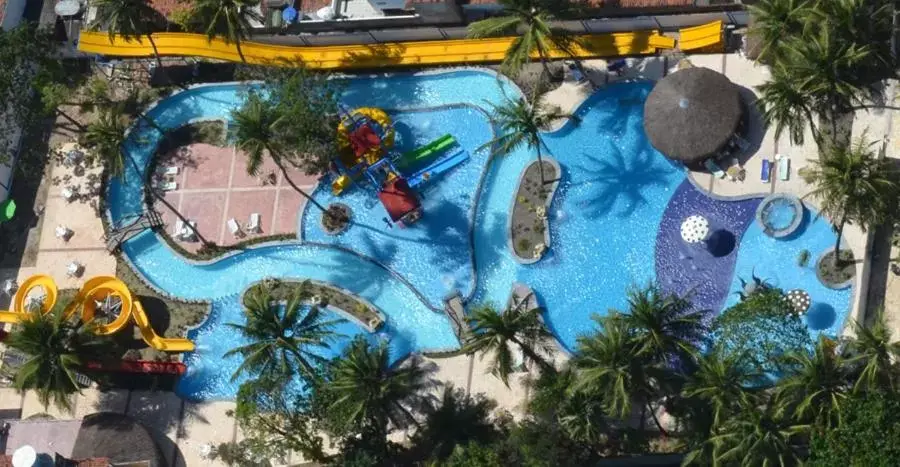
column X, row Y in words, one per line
column 217, row 182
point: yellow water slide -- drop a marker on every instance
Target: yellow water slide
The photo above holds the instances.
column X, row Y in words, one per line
column 447, row 52
column 86, row 300
column 706, row 36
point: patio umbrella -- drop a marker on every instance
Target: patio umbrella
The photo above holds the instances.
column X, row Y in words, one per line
column 692, row 113
column 289, row 14
column 7, row 210
column 695, row 229
column 799, row 299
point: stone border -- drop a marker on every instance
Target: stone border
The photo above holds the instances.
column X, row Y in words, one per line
column 547, row 202
column 345, row 314
column 838, row 286
column 798, row 206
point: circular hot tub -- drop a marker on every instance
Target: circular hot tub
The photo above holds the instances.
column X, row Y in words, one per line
column 780, row 214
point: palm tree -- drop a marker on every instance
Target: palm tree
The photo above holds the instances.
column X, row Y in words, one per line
column 258, row 131
column 520, row 123
column 458, row 420
column 130, row 19
column 56, row 347
column 502, row 333
column 754, row 437
column 228, row 19
column 283, row 338
column 785, row 106
column 817, row 386
column 853, row 185
column 773, row 20
column 872, row 354
column 370, row 393
column 722, row 384
column 610, row 362
column 664, row 326
column 106, row 137
column 531, row 22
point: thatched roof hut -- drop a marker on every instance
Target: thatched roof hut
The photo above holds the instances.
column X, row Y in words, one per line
column 691, row 114
column 118, row 438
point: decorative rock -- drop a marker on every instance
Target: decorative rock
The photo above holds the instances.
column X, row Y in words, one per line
column 539, row 250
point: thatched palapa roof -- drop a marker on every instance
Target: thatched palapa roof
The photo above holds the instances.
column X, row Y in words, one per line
column 117, row 437
column 692, row 113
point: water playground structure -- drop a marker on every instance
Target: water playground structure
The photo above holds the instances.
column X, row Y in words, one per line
column 104, row 301
column 365, row 139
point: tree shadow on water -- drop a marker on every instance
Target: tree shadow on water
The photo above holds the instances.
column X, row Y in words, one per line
column 618, row 181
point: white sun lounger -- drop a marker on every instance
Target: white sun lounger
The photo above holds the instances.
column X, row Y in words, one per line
column 170, row 185
column 172, row 170
column 190, row 232
column 178, row 231
column 783, row 167
column 234, row 228
column 253, row 225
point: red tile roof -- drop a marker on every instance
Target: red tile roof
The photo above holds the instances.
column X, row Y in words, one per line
column 167, row 7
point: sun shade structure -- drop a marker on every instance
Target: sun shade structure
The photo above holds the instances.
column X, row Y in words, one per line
column 118, row 438
column 799, row 299
column 695, row 229
column 691, row 114
column 399, row 199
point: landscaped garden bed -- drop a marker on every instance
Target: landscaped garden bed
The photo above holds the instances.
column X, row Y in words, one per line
column 529, row 228
column 836, row 274
column 326, row 296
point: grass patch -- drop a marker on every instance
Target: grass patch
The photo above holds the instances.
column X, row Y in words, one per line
column 331, row 296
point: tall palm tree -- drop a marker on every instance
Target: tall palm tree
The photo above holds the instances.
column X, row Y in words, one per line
column 530, row 21
column 283, row 338
column 772, row 20
column 785, row 105
column 722, row 384
column 228, row 19
column 131, row 19
column 520, row 123
column 458, row 420
column 817, row 386
column 56, row 347
column 873, row 356
column 106, row 137
column 665, row 327
column 258, row 131
column 754, row 437
column 610, row 362
column 853, row 186
column 370, row 393
column 501, row 334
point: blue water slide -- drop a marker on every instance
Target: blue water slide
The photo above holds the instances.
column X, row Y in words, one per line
column 438, row 167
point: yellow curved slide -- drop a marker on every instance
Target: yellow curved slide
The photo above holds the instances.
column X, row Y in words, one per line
column 700, row 37
column 456, row 51
column 94, row 290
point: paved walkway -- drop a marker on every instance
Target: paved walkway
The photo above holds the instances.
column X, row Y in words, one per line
column 213, row 186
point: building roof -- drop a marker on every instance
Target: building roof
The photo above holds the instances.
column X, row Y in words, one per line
column 398, row 198
column 590, row 3
column 117, row 437
column 692, row 113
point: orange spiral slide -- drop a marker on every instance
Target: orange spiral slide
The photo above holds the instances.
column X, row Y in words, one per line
column 95, row 290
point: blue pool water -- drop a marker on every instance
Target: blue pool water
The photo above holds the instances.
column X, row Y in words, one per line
column 604, row 223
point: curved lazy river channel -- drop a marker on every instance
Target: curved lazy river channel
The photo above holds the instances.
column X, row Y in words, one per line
column 612, row 225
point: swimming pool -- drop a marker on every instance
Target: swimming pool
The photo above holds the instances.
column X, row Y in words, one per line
column 606, row 218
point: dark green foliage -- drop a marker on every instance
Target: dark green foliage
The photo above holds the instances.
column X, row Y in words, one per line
column 476, row 455
column 459, row 419
column 868, row 437
column 763, row 328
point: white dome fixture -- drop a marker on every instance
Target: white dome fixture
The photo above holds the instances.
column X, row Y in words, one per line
column 695, row 229
column 25, row 456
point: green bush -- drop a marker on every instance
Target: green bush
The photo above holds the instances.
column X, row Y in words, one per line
column 868, row 437
column 803, row 258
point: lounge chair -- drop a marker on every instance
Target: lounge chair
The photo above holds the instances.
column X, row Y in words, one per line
column 714, row 168
column 68, row 194
column 784, row 167
column 766, row 171
column 170, row 185
column 178, row 231
column 235, row 228
column 576, row 73
column 172, row 170
column 190, row 232
column 253, row 224
column 74, row 269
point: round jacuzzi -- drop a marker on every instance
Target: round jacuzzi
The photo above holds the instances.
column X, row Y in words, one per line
column 779, row 214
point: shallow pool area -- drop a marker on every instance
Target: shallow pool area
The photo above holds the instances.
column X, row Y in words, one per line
column 613, row 225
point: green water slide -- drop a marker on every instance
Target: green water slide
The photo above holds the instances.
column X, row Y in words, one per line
column 426, row 152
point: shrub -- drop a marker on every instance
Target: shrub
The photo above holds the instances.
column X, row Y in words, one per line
column 869, row 435
column 803, row 258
